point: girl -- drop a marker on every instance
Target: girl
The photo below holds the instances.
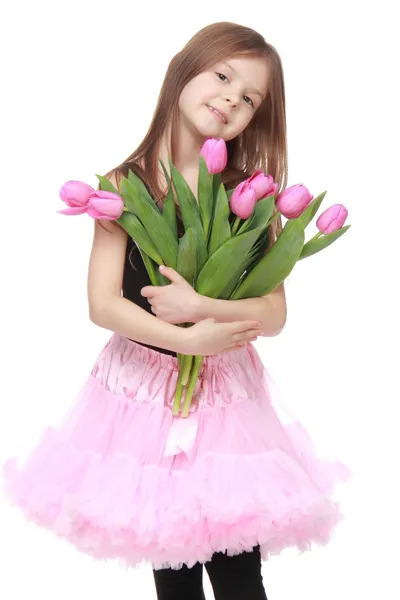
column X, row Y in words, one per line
column 230, row 485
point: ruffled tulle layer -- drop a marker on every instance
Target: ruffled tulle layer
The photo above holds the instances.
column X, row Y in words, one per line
column 103, row 480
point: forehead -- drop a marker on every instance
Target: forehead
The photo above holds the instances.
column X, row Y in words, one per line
column 252, row 70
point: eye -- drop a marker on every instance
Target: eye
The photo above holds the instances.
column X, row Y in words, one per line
column 222, row 77
column 248, row 100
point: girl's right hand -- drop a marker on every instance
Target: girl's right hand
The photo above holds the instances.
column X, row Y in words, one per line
column 210, row 337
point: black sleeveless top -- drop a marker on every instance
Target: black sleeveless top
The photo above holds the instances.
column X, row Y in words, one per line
column 135, row 277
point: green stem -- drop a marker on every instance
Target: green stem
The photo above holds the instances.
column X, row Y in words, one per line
column 186, row 365
column 274, row 216
column 177, row 399
column 316, row 236
column 235, row 225
column 198, row 361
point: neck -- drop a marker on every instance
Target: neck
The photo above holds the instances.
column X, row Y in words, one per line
column 189, row 144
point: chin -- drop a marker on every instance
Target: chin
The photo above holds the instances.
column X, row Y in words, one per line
column 206, row 130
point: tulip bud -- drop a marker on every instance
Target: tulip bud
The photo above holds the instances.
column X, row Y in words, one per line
column 215, row 154
column 105, row 205
column 243, row 200
column 76, row 195
column 293, row 201
column 263, row 184
column 82, row 198
column 332, row 219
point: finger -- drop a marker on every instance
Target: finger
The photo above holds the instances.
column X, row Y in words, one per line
column 148, row 291
column 250, row 333
column 243, row 339
column 238, row 326
column 171, row 274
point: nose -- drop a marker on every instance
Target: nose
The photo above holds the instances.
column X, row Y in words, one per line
column 232, row 99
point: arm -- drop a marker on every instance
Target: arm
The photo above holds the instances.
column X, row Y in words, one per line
column 270, row 310
column 131, row 321
column 106, row 306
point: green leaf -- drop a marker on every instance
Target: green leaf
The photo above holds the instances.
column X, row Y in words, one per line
column 259, row 250
column 225, row 265
column 229, row 193
column 106, row 185
column 186, row 264
column 217, row 179
column 231, row 286
column 205, row 196
column 131, row 224
column 276, row 264
column 141, row 190
column 314, row 246
column 260, row 216
column 169, row 206
column 187, row 202
column 190, row 213
column 151, row 267
column 220, row 230
column 169, row 212
column 166, row 174
column 309, row 213
column 251, row 260
column 138, row 202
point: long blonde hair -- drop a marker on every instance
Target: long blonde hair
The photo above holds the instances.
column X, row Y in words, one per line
column 262, row 145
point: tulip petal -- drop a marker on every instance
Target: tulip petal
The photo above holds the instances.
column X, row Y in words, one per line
column 215, row 154
column 75, row 193
column 263, row 184
column 104, row 194
column 243, row 200
column 332, row 218
column 73, row 210
column 95, row 214
column 293, row 201
column 107, row 206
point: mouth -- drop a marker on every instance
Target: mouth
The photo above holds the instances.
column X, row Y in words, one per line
column 219, row 113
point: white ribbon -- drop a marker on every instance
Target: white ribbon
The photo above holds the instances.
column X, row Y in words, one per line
column 182, row 435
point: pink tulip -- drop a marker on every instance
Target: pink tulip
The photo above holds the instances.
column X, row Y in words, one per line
column 263, row 184
column 243, row 200
column 215, row 154
column 105, row 205
column 98, row 204
column 293, row 201
column 332, row 219
column 76, row 195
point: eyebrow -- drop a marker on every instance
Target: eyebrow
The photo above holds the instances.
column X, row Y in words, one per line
column 253, row 90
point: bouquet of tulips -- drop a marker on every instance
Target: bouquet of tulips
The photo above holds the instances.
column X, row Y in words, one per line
column 224, row 250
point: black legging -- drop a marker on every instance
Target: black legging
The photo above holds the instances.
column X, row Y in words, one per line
column 232, row 578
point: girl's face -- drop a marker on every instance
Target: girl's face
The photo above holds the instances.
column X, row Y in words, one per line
column 221, row 101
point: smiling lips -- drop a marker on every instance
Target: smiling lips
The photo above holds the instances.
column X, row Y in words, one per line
column 219, row 114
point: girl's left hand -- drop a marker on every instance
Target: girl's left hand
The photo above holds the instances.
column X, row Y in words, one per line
column 174, row 303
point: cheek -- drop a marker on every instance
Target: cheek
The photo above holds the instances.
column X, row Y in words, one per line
column 240, row 125
column 184, row 100
column 188, row 96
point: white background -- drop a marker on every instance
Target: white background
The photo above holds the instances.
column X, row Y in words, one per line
column 80, row 82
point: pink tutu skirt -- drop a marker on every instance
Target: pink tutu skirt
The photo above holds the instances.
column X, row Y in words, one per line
column 121, row 478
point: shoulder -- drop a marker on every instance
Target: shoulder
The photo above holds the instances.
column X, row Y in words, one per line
column 114, row 177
